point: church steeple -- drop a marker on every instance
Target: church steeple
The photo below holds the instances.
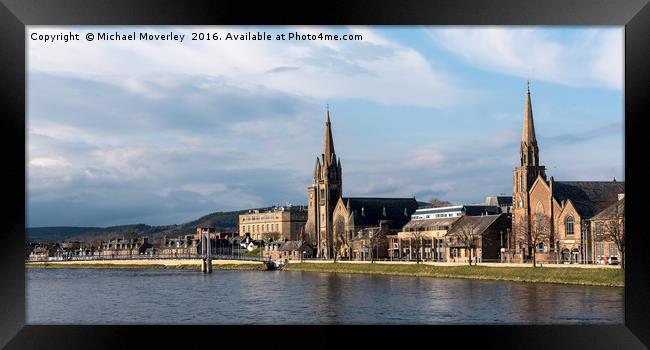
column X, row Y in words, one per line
column 529, row 150
column 328, row 145
column 323, row 195
column 528, row 134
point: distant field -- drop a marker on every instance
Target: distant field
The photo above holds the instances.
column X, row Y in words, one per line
column 567, row 275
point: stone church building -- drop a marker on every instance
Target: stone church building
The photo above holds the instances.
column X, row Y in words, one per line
column 332, row 217
column 550, row 218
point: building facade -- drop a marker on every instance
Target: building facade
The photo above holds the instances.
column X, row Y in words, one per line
column 278, row 224
column 550, row 218
column 608, row 233
column 455, row 211
column 123, row 248
column 358, row 217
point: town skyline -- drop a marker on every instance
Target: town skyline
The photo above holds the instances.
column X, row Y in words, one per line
column 112, row 173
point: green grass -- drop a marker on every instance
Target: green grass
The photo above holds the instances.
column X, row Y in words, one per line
column 564, row 275
column 239, row 267
column 255, row 253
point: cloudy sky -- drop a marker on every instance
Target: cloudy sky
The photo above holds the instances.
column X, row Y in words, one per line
column 164, row 132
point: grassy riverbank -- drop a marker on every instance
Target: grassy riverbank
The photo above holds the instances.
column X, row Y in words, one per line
column 47, row 265
column 567, row 275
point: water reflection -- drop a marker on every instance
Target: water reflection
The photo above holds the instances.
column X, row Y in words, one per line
column 77, row 296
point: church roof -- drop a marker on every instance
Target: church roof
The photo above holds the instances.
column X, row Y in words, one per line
column 369, row 211
column 610, row 212
column 588, row 197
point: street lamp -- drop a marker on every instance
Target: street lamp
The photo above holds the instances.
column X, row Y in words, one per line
column 501, row 250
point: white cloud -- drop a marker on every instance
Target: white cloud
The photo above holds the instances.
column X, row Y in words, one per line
column 590, row 57
column 375, row 69
column 205, row 188
column 49, row 163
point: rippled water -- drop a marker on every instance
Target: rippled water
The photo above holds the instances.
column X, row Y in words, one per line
column 149, row 296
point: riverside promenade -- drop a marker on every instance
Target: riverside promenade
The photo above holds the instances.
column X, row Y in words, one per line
column 169, row 262
column 487, row 264
column 140, row 263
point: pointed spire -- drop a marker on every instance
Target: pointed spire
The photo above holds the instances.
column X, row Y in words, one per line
column 528, row 134
column 317, row 168
column 328, row 146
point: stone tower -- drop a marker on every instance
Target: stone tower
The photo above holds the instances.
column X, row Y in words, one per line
column 526, row 173
column 322, row 195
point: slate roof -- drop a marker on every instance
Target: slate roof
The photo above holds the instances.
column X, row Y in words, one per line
column 588, row 197
column 608, row 213
column 424, row 224
column 294, row 245
column 500, row 201
column 398, row 210
column 481, row 223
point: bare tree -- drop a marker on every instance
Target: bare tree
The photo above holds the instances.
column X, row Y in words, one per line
column 417, row 238
column 614, row 229
column 539, row 233
column 309, row 236
column 468, row 234
column 376, row 239
column 435, row 203
column 340, row 238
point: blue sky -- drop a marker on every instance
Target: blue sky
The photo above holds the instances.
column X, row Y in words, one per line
column 164, row 132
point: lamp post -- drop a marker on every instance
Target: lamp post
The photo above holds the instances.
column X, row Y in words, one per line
column 501, row 250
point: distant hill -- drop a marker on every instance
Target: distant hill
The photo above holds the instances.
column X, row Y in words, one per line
column 40, row 234
column 222, row 221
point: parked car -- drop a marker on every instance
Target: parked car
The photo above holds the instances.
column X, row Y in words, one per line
column 613, row 260
column 600, row 260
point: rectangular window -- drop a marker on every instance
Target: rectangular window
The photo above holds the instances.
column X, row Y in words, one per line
column 613, row 249
column 600, row 251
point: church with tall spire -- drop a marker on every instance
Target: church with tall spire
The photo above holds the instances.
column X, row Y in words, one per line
column 323, row 194
column 334, row 222
column 551, row 219
column 529, row 168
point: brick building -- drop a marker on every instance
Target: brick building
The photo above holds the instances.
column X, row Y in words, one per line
column 608, row 233
column 551, row 218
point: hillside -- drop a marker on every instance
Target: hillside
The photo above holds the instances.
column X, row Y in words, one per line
column 222, row 221
column 39, row 234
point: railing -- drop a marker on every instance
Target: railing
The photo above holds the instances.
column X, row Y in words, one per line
column 516, row 260
column 148, row 257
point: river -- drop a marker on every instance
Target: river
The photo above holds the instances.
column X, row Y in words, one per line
column 158, row 296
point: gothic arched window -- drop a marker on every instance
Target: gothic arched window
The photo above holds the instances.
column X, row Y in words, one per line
column 568, row 225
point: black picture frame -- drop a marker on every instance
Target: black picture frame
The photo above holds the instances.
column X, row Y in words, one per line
column 16, row 14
